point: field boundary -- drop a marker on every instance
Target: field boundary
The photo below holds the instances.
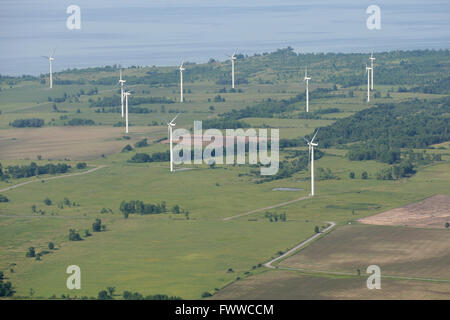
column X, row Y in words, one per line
column 310, row 271
column 53, row 178
column 300, row 245
column 266, row 208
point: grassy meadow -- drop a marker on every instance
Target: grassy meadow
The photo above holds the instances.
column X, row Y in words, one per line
column 169, row 253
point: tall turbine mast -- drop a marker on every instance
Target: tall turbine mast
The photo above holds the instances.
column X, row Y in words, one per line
column 307, row 89
column 368, row 71
column 181, row 81
column 233, row 58
column 126, row 94
column 121, row 83
column 311, row 146
column 50, row 59
column 371, row 66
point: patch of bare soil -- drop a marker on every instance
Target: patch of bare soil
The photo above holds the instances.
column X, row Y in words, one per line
column 432, row 212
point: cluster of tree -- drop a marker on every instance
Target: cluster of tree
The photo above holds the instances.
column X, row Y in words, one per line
column 3, row 198
column 137, row 206
column 403, row 169
column 74, row 235
column 27, row 123
column 33, row 169
column 288, row 168
column 275, row 217
column 155, row 157
column 114, row 101
column 97, row 226
column 108, row 294
column 6, row 289
column 382, row 153
column 411, row 124
column 139, row 110
column 141, row 143
column 66, row 82
column 326, row 174
column 81, row 122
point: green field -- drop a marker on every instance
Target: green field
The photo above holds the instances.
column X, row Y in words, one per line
column 181, row 255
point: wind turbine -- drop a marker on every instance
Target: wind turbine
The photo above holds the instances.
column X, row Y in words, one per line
column 371, row 66
column 368, row 71
column 181, row 81
column 121, row 83
column 170, row 126
column 311, row 146
column 233, row 59
column 307, row 89
column 50, row 58
column 126, row 94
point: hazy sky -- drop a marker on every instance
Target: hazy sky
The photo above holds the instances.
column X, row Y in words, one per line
column 162, row 32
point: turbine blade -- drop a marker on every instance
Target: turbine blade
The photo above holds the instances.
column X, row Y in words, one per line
column 45, row 57
column 175, row 118
column 315, row 135
column 306, row 140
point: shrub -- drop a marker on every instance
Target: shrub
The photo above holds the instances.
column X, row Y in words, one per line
column 316, row 229
column 142, row 143
column 97, row 225
column 3, row 198
column 74, row 236
column 48, row 202
column 127, row 148
column 51, row 245
column 352, row 175
column 31, row 252
column 81, row 165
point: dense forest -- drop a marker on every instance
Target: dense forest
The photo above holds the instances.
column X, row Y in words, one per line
column 413, row 124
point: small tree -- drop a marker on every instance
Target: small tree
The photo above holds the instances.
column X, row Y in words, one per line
column 447, row 225
column 48, row 202
column 31, row 252
column 111, row 290
column 103, row 295
column 352, row 175
column 316, row 229
column 364, row 175
column 74, row 236
column 51, row 245
column 176, row 209
column 97, row 225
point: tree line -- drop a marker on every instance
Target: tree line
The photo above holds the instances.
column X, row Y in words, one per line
column 31, row 170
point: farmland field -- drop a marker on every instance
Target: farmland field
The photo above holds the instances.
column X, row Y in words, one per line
column 221, row 223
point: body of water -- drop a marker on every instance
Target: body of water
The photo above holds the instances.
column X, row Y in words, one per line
column 163, row 32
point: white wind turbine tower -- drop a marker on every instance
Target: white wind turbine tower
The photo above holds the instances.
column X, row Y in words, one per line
column 181, row 81
column 368, row 71
column 50, row 59
column 307, row 89
column 170, row 126
column 371, row 66
column 233, row 59
column 126, row 95
column 121, row 83
column 311, row 146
